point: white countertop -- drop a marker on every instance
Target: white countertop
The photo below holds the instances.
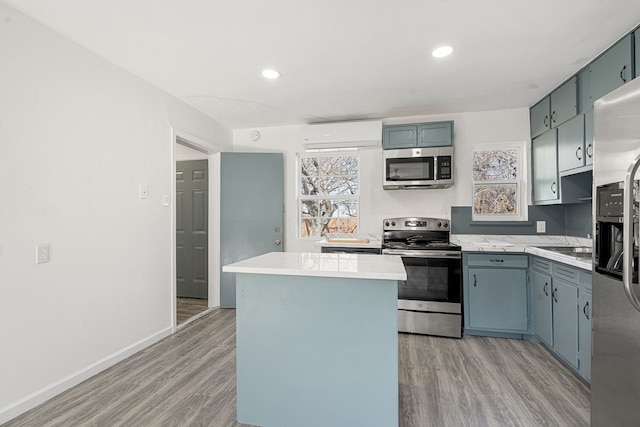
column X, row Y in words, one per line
column 525, row 244
column 355, row 266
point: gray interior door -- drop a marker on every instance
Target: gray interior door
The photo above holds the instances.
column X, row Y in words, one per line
column 251, row 211
column 192, row 200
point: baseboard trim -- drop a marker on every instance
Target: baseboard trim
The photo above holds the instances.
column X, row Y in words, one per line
column 196, row 317
column 40, row 396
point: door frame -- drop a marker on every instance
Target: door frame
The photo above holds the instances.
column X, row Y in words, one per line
column 213, row 292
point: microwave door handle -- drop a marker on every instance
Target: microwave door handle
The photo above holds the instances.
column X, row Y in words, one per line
column 627, row 233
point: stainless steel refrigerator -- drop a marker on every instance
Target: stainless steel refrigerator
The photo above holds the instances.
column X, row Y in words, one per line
column 615, row 376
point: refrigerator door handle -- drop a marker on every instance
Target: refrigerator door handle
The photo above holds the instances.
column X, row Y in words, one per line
column 627, row 234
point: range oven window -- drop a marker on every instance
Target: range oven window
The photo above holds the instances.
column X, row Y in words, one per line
column 410, row 169
column 431, row 279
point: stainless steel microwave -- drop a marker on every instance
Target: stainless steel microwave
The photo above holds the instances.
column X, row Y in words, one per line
column 414, row 168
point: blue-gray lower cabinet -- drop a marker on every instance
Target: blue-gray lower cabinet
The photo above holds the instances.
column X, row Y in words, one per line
column 541, row 303
column 495, row 293
column 584, row 326
column 561, row 311
column 565, row 320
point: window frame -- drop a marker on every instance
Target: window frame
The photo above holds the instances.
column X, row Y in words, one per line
column 300, row 197
column 520, row 182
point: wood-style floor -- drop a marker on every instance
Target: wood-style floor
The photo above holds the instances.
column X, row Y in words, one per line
column 186, row 308
column 188, row 379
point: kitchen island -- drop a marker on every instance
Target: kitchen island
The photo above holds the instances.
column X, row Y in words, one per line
column 317, row 339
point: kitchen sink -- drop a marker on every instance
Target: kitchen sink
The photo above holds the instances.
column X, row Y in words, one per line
column 574, row 251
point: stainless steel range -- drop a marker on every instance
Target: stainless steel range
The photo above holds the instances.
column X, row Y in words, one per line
column 430, row 300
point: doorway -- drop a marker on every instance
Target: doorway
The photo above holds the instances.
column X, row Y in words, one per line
column 191, row 232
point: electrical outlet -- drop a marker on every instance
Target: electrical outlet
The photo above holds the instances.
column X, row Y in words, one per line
column 541, row 226
column 42, row 253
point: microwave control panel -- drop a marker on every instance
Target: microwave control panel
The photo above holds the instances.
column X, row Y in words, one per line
column 444, row 167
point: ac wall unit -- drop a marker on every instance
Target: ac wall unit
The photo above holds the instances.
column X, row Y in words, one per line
column 328, row 136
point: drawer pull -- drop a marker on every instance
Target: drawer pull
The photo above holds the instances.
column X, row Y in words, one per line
column 584, row 310
column 496, row 260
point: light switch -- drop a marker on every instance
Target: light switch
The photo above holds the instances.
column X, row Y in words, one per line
column 541, row 226
column 166, row 200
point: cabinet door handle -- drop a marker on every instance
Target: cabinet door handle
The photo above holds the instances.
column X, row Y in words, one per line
column 546, row 121
column 475, row 280
column 579, row 153
column 554, row 115
column 554, row 295
column 584, row 310
column 544, row 289
column 589, row 150
column 553, row 187
column 623, row 72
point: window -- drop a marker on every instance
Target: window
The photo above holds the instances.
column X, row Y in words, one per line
column 329, row 191
column 498, row 183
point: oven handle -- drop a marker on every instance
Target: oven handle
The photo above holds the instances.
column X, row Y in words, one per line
column 423, row 254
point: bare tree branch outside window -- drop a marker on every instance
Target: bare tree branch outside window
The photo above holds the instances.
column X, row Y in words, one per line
column 496, row 188
column 329, row 190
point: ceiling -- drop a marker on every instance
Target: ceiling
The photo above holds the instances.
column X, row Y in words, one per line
column 343, row 59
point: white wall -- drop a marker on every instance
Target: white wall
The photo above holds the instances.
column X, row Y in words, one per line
column 376, row 203
column 77, row 137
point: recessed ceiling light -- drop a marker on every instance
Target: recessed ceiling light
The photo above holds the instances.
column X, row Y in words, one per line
column 442, row 51
column 270, row 74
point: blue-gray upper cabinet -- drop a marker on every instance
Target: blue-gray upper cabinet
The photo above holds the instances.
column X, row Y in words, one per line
column 556, row 108
column 545, row 168
column 399, row 136
column 608, row 72
column 564, row 102
column 436, row 134
column 539, row 117
column 588, row 137
column 637, row 43
column 433, row 134
column 571, row 144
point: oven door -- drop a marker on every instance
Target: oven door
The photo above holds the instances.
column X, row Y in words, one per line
column 433, row 281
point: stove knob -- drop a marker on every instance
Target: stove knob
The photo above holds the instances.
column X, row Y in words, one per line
column 386, row 224
column 446, row 224
column 439, row 224
column 393, row 224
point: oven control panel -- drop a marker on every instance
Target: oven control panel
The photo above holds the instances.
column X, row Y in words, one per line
column 425, row 224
